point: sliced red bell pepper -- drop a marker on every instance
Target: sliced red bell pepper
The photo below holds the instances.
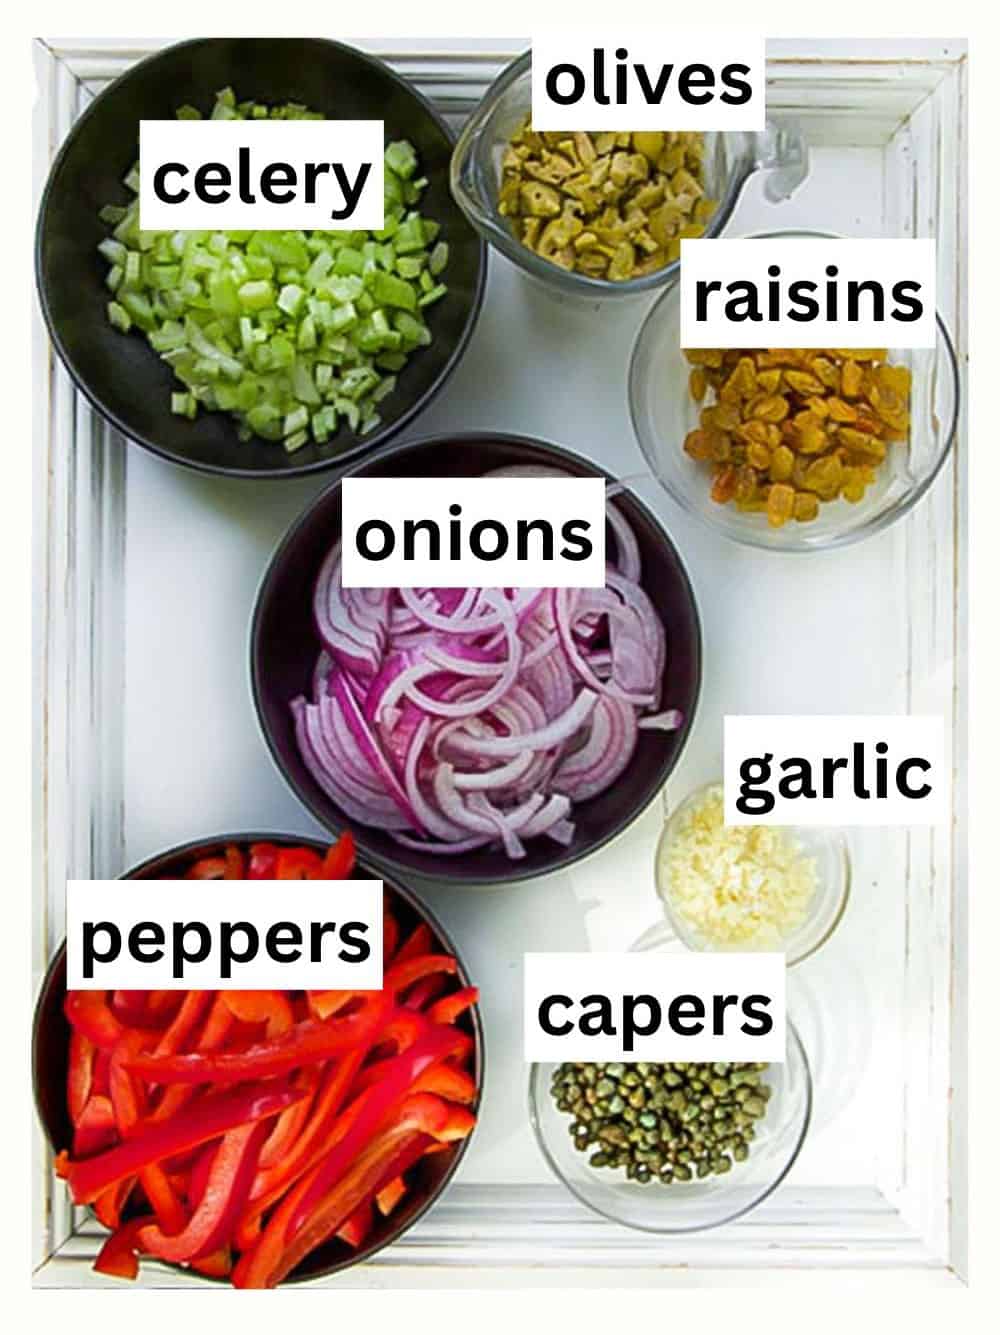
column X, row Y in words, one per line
column 309, row 1041
column 263, row 858
column 422, row 993
column 81, row 1073
column 448, row 1081
column 317, row 1137
column 192, row 1008
column 109, row 1205
column 340, row 858
column 389, row 1196
column 119, row 1256
column 263, row 1007
column 449, row 1008
column 396, row 1080
column 288, row 1127
column 129, row 1109
column 95, row 1127
column 298, row 864
column 217, row 1265
column 402, row 974
column 459, row 1124
column 218, row 1025
column 195, row 1125
column 207, row 869
column 275, row 1254
column 353, row 1231
column 325, row 1004
column 419, row 942
column 229, row 1179
column 89, row 1014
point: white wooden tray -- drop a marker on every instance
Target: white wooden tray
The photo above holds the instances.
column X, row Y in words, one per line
column 145, row 734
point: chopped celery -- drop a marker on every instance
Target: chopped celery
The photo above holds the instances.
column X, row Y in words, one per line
column 297, row 334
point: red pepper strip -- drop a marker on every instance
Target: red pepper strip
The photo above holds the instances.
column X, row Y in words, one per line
column 192, row 1127
column 419, row 942
column 109, row 1205
column 389, row 1196
column 448, row 1081
column 354, row 1230
column 288, row 1127
column 340, row 857
column 235, row 864
column 399, row 976
column 197, row 1178
column 272, row 1008
column 298, row 864
column 396, row 1081
column 80, row 1076
column 449, row 1008
column 207, row 869
column 459, row 1125
column 129, row 1108
column 95, row 1130
column 89, row 1013
column 118, row 1255
column 275, row 1255
column 192, row 1008
column 218, row 1265
column 271, row 1183
column 421, row 994
column 262, row 862
column 390, row 936
column 232, row 1171
column 310, row 1041
column 325, row 1004
column 218, row 1024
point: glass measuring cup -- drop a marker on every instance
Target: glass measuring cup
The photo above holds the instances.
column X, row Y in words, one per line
column 730, row 159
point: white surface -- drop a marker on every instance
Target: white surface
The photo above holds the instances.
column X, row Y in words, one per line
column 146, row 733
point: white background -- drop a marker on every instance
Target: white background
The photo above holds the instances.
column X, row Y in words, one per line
column 820, row 1299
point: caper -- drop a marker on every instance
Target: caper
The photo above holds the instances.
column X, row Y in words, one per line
column 669, row 1122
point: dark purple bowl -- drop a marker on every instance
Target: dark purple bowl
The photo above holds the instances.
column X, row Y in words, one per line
column 50, row 1050
column 120, row 374
column 284, row 647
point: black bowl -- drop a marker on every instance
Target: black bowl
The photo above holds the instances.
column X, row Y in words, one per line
column 121, row 374
column 51, row 1034
column 284, row 647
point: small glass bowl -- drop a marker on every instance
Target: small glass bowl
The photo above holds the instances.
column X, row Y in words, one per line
column 827, row 846
column 663, row 412
column 730, row 159
column 682, row 1207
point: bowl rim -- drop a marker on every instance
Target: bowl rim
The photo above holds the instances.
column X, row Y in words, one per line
column 562, row 858
column 362, row 444
column 551, row 275
column 832, row 541
column 833, row 834
column 792, row 1040
column 413, row 900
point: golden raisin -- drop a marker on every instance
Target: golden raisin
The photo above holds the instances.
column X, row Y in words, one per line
column 780, row 504
column 698, row 384
column 806, row 506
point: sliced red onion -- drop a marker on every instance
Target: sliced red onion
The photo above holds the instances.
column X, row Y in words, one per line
column 459, row 719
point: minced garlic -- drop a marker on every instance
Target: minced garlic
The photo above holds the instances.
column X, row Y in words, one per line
column 738, row 886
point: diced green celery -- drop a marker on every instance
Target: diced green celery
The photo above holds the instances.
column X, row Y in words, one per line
column 112, row 214
column 132, row 179
column 434, row 294
column 438, row 258
column 184, row 405
column 383, row 389
column 401, row 159
column 254, row 296
column 119, row 317
column 391, row 361
column 411, row 235
column 319, row 268
column 323, row 376
column 369, row 422
column 350, row 410
column 114, row 277
column 297, row 440
column 306, row 339
column 348, row 261
column 343, row 317
column 290, row 298
column 187, row 113
column 303, row 385
column 389, row 290
column 409, row 266
column 295, row 421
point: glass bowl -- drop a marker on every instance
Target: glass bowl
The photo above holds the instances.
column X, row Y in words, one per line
column 827, row 846
column 663, row 412
column 682, row 1207
column 730, row 158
